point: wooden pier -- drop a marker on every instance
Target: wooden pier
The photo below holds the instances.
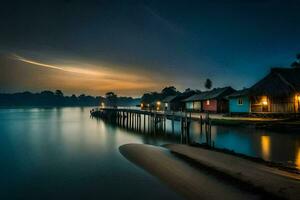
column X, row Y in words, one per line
column 154, row 122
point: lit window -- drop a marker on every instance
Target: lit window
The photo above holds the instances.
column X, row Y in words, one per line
column 240, row 101
column 207, row 102
column 166, row 104
column 264, row 101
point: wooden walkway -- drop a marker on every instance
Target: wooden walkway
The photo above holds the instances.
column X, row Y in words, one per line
column 148, row 121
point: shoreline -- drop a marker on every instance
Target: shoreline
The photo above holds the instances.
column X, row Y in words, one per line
column 292, row 168
column 255, row 178
column 184, row 179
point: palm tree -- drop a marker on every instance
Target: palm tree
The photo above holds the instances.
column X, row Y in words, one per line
column 208, row 84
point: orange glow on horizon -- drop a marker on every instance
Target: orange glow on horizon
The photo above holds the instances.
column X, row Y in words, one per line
column 94, row 79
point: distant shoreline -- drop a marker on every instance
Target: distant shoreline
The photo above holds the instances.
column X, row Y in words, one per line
column 25, row 107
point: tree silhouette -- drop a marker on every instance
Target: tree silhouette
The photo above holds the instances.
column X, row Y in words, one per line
column 208, row 84
column 187, row 90
column 296, row 64
column 169, row 91
column 111, row 99
column 59, row 93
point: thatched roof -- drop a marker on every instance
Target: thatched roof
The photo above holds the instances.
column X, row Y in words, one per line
column 279, row 82
column 217, row 93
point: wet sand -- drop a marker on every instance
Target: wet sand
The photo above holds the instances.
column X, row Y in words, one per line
column 269, row 179
column 187, row 180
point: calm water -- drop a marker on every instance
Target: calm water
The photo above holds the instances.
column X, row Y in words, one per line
column 271, row 146
column 65, row 154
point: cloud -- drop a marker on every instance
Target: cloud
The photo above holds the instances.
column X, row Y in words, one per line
column 70, row 75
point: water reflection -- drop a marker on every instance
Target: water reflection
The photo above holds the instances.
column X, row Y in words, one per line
column 268, row 145
column 65, row 148
column 297, row 161
column 61, row 153
column 265, row 146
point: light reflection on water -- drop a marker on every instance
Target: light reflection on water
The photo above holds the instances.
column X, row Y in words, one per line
column 265, row 146
column 62, row 153
column 64, row 150
column 271, row 146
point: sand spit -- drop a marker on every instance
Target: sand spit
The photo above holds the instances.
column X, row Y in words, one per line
column 187, row 180
column 272, row 180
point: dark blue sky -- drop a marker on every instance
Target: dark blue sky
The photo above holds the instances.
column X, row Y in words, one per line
column 140, row 46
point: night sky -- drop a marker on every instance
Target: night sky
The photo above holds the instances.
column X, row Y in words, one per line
column 132, row 47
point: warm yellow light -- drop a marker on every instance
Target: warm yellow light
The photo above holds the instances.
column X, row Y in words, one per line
column 142, row 105
column 297, row 161
column 207, row 102
column 298, row 97
column 264, row 100
column 102, row 104
column 265, row 146
column 158, row 103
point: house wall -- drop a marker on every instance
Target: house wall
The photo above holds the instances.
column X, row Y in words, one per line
column 223, row 106
column 235, row 107
column 275, row 105
column 189, row 105
column 196, row 105
column 212, row 107
column 282, row 105
column 167, row 106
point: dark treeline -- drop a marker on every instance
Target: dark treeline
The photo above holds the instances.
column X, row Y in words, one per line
column 57, row 98
column 149, row 98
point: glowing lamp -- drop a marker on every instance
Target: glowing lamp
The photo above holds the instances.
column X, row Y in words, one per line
column 142, row 105
column 158, row 103
column 264, row 100
column 207, row 102
column 102, row 104
column 298, row 97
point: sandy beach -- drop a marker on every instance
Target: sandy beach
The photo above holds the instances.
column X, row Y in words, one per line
column 187, row 180
column 270, row 179
column 215, row 176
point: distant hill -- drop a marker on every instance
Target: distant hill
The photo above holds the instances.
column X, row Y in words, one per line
column 49, row 98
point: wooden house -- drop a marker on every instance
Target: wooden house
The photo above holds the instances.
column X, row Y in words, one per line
column 167, row 102
column 239, row 101
column 193, row 103
column 278, row 92
column 210, row 101
column 175, row 103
